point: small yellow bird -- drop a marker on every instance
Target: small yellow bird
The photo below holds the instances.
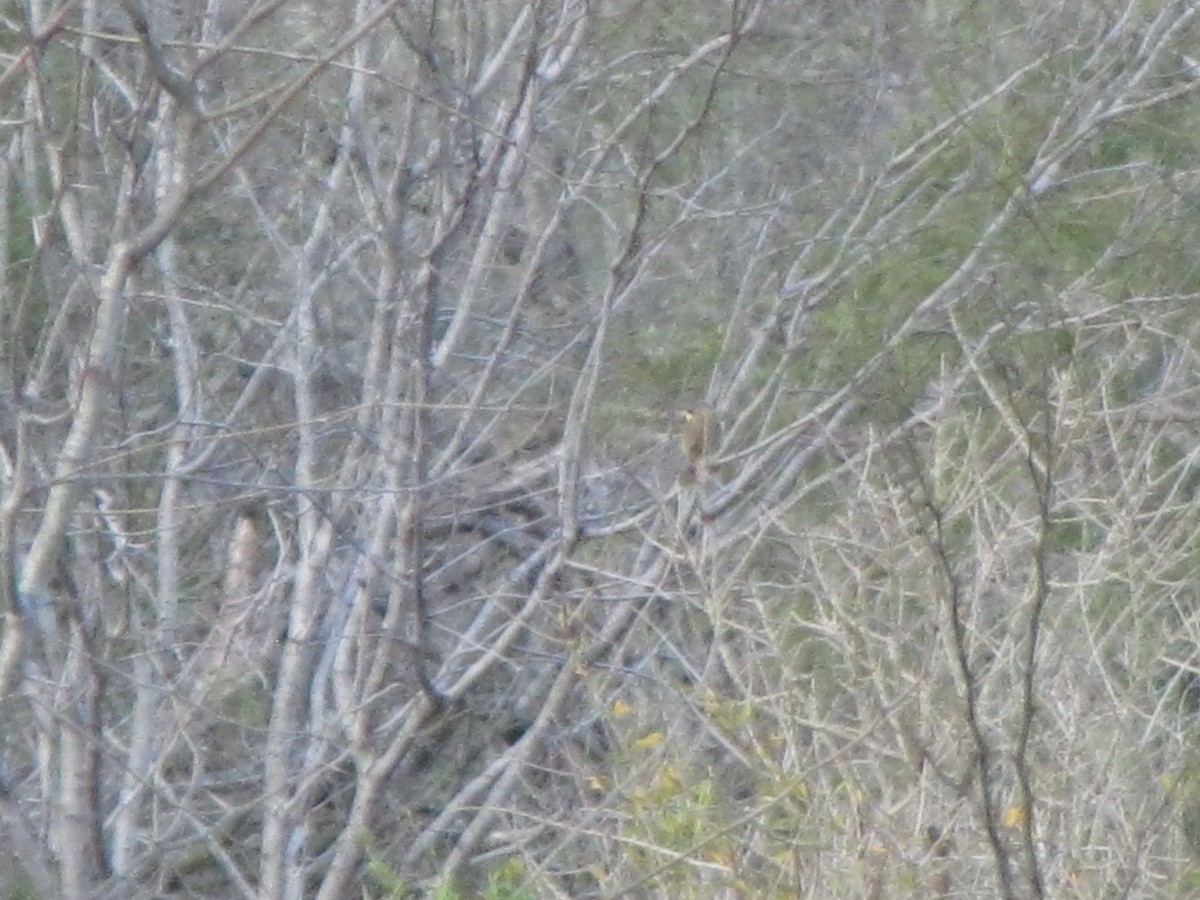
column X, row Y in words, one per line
column 699, row 439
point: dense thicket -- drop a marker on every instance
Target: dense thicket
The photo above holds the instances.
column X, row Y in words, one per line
column 343, row 549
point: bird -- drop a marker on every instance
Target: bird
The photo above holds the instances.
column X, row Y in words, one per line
column 699, row 439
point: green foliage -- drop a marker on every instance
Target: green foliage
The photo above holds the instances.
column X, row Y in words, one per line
column 1075, row 535
column 20, row 887
column 673, row 356
column 1188, row 884
column 389, row 883
column 504, row 882
column 23, row 313
column 1151, row 137
column 654, row 370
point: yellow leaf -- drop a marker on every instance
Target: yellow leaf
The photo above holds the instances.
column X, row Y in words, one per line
column 669, row 782
column 620, row 708
column 1014, row 817
column 649, row 741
